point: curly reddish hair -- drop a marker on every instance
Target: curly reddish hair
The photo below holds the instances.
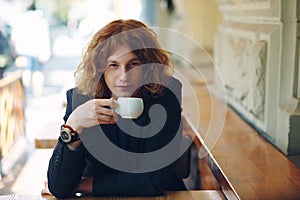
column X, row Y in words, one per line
column 144, row 44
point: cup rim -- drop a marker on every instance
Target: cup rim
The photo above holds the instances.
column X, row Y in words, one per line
column 130, row 98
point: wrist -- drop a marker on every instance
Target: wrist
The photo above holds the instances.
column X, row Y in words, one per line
column 77, row 129
column 72, row 123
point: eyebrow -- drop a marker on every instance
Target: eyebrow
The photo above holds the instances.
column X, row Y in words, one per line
column 114, row 61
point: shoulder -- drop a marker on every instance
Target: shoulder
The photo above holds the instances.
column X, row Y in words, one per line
column 76, row 98
column 171, row 94
column 74, row 92
column 173, row 88
column 174, row 80
column 174, row 84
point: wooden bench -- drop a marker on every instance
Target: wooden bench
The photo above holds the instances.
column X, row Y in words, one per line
column 12, row 128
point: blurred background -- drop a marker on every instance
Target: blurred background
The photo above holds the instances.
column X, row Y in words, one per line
column 255, row 51
column 41, row 43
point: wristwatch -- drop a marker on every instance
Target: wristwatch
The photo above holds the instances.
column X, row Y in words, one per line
column 68, row 135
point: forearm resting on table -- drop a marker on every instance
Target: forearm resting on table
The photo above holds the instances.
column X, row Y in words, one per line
column 84, row 186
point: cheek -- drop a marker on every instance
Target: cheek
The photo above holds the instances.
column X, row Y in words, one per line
column 109, row 79
column 138, row 76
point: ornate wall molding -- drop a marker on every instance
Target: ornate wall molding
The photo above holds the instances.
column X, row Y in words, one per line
column 251, row 9
column 257, row 53
column 243, row 56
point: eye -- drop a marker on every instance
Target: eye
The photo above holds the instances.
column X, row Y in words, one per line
column 134, row 64
column 113, row 65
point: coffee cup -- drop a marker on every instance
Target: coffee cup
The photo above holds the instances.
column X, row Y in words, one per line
column 129, row 107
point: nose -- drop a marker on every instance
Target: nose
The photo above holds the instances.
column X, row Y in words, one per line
column 123, row 73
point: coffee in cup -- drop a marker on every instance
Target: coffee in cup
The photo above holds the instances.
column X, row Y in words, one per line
column 129, row 107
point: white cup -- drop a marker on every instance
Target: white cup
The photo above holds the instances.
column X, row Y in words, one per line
column 129, row 107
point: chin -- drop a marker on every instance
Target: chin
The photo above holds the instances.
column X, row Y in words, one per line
column 123, row 94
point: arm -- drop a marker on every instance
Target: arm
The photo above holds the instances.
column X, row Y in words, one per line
column 68, row 161
column 65, row 170
column 132, row 184
column 146, row 184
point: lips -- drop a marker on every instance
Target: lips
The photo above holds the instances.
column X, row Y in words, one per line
column 123, row 87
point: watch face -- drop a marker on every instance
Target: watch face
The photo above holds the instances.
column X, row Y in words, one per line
column 65, row 136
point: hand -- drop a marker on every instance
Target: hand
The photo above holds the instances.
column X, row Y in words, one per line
column 85, row 185
column 46, row 191
column 93, row 112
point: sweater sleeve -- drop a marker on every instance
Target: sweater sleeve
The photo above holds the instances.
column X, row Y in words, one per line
column 65, row 166
column 65, row 170
column 133, row 184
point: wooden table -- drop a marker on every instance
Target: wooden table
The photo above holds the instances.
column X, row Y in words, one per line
column 182, row 195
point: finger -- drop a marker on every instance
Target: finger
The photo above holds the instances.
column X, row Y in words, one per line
column 45, row 192
column 116, row 116
column 104, row 102
column 104, row 111
column 107, row 122
column 114, row 103
column 105, row 118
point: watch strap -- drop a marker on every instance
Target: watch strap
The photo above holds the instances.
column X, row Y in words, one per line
column 73, row 134
column 69, row 127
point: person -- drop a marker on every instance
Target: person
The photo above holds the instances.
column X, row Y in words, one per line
column 123, row 59
column 7, row 54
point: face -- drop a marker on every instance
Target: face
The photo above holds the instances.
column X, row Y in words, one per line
column 123, row 73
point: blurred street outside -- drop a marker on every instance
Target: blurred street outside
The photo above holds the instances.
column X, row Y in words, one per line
column 46, row 110
column 44, row 115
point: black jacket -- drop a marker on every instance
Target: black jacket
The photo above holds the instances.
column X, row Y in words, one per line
column 66, row 167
